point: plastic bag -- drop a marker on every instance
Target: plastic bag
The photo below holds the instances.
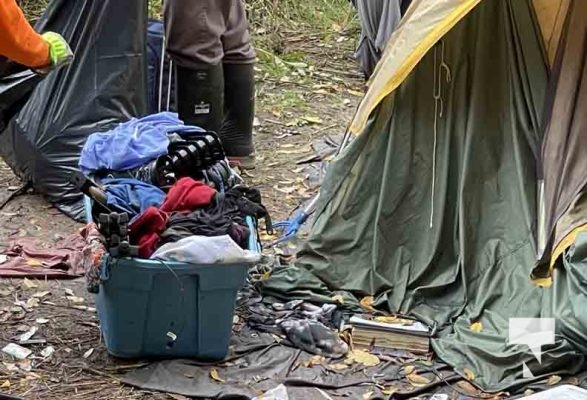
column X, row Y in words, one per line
column 205, row 250
column 278, row 393
column 104, row 85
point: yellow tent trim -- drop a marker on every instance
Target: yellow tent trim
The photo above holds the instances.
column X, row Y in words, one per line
column 377, row 93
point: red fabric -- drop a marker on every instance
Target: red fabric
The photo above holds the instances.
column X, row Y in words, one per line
column 145, row 230
column 63, row 260
column 185, row 196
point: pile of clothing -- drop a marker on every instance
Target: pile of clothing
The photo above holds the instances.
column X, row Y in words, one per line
column 157, row 149
column 162, row 190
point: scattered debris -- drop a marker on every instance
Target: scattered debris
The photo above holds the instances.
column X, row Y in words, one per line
column 40, row 295
column 16, row 351
column 47, row 351
column 25, row 365
column 28, row 334
column 3, row 258
column 29, row 284
column 75, row 299
column 10, row 367
column 42, row 321
column 88, row 353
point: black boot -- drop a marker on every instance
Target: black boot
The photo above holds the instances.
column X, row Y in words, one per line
column 239, row 111
column 200, row 96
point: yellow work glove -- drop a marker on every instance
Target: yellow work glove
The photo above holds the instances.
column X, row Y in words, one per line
column 60, row 53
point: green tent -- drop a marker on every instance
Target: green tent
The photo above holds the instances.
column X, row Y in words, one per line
column 466, row 169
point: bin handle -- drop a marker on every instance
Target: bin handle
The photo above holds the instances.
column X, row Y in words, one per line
column 105, row 269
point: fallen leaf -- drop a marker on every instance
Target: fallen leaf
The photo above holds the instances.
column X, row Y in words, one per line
column 266, row 276
column 470, row 375
column 5, row 292
column 355, row 93
column 88, row 353
column 33, row 262
column 69, row 292
column 417, row 380
column 338, row 367
column 214, row 375
column 467, row 388
column 338, row 298
column 389, row 391
column 75, row 299
column 312, row 120
column 409, row 369
column 40, row 295
column 528, row 392
column 362, row 357
column 394, row 320
column 5, row 384
column 476, row 326
column 28, row 284
column 553, row 380
column 368, row 395
column 367, row 303
column 286, row 190
column 294, row 151
column 315, row 360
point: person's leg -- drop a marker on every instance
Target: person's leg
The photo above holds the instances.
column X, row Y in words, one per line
column 193, row 37
column 239, row 93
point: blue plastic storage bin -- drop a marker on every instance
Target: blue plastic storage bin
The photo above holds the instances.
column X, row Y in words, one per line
column 155, row 309
column 146, row 310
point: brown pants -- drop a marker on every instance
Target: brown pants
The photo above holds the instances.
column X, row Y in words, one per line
column 207, row 32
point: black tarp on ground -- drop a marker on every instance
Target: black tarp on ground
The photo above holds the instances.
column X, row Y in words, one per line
column 474, row 177
column 105, row 85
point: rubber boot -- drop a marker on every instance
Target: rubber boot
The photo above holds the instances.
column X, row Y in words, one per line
column 239, row 112
column 200, row 96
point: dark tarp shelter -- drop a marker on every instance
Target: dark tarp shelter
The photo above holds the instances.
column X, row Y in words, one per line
column 48, row 123
column 433, row 208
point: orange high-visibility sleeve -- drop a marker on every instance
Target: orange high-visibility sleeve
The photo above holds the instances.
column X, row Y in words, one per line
column 18, row 40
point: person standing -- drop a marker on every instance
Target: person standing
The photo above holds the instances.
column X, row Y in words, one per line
column 20, row 43
column 210, row 45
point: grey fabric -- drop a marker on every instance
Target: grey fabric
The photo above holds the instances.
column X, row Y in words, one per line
column 563, row 151
column 207, row 32
column 258, row 363
column 378, row 19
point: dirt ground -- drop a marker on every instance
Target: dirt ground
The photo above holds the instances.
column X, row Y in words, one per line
column 307, row 96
